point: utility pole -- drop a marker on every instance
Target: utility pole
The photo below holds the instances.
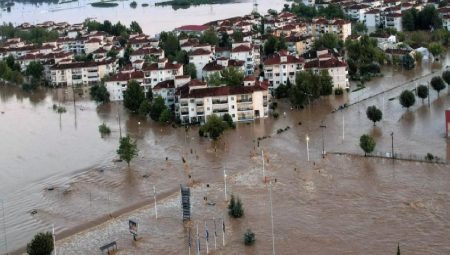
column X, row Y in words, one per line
column 429, row 94
column 343, row 125
column 225, row 182
column 307, row 147
column 4, row 227
column 263, row 171
column 54, row 239
column 392, row 139
column 322, row 126
column 154, row 198
column 118, row 116
column 271, row 217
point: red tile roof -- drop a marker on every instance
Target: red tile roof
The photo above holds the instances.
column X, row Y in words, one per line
column 329, row 63
column 276, row 60
column 241, row 48
column 197, row 28
column 200, row 52
column 168, row 84
column 223, row 91
column 154, row 67
column 128, row 76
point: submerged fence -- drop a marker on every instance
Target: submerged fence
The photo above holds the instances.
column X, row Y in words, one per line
column 399, row 156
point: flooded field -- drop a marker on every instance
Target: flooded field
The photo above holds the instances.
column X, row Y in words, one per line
column 58, row 170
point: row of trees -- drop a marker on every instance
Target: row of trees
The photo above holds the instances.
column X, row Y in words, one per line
column 11, row 71
column 274, row 44
column 34, row 35
column 330, row 12
column 229, row 76
column 426, row 19
column 117, row 29
column 363, row 57
column 308, row 87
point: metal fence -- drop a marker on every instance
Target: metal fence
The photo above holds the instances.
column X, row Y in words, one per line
column 399, row 156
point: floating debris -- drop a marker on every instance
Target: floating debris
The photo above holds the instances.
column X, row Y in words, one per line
column 33, row 212
column 50, row 188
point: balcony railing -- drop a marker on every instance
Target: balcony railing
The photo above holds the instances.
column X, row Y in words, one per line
column 245, row 100
column 220, row 110
column 216, row 101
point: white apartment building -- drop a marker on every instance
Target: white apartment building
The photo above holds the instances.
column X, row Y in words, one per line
column 161, row 71
column 393, row 20
column 373, row 19
column 142, row 53
column 356, row 12
column 243, row 103
column 337, row 69
column 244, row 51
column 340, row 27
column 81, row 73
column 118, row 83
column 280, row 67
column 199, row 58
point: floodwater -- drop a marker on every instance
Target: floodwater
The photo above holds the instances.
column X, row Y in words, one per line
column 153, row 19
column 56, row 169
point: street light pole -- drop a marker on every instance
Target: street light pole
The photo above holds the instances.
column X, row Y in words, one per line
column 225, row 182
column 307, row 146
column 271, row 217
column 322, row 126
column 4, row 227
column 154, row 198
column 429, row 94
column 263, row 170
column 392, row 139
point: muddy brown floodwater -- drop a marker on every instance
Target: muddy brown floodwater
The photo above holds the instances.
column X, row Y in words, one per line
column 58, row 170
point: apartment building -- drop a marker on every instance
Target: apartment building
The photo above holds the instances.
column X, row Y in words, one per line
column 118, row 83
column 281, row 67
column 81, row 73
column 320, row 26
column 161, row 71
column 243, row 103
column 336, row 68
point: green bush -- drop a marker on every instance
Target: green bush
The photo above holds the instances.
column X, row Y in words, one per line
column 429, row 157
column 249, row 238
column 42, row 244
column 275, row 115
column 104, row 129
column 339, row 91
column 235, row 208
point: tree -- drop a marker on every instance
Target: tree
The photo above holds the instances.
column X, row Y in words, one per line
column 327, row 40
column 182, row 57
column 359, row 28
column 214, row 79
column 225, row 40
column 446, row 77
column 422, row 92
column 374, row 114
column 157, row 108
column 270, row 45
column 237, row 36
column 436, row 49
column 281, row 43
column 407, row 99
column 229, row 120
column 169, row 43
column 232, row 76
column 42, row 244
column 249, row 238
column 190, row 69
column 367, row 144
column 135, row 27
column 127, row 149
column 437, row 84
column 35, row 70
column 408, row 62
column 133, row 4
column 409, row 19
column 326, row 83
column 235, row 208
column 133, row 96
column 165, row 116
column 214, row 127
column 99, row 93
column 104, row 129
column 144, row 107
column 209, row 37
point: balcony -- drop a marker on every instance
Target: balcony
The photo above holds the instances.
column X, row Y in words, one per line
column 183, row 104
column 244, row 109
column 245, row 100
column 220, row 110
column 220, row 101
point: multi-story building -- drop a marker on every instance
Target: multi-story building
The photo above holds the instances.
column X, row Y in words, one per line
column 161, row 71
column 199, row 58
column 118, row 83
column 81, row 73
column 356, row 12
column 243, row 103
column 244, row 51
column 319, row 26
column 142, row 53
column 336, row 68
column 393, row 20
column 281, row 67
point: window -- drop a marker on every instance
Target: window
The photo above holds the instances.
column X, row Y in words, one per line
column 232, row 115
column 232, row 107
column 232, row 98
column 207, row 108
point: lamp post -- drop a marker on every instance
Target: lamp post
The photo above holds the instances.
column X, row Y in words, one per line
column 307, row 146
column 271, row 217
column 4, row 227
column 392, row 140
column 225, row 182
column 322, row 126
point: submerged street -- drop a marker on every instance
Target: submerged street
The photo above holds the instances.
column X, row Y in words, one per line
column 58, row 170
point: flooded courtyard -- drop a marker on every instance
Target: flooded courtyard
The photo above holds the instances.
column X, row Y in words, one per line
column 57, row 169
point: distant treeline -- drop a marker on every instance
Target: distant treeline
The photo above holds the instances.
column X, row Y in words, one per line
column 191, row 2
column 34, row 35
